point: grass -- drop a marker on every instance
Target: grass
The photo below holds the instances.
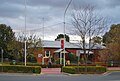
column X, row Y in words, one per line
column 4, row 64
column 113, row 71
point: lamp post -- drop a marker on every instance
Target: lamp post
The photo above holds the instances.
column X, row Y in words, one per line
column 25, row 35
column 1, row 55
column 64, row 26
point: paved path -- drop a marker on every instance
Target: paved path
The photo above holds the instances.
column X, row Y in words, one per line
column 113, row 68
column 51, row 71
column 58, row 70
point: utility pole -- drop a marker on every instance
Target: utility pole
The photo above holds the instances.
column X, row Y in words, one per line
column 64, row 27
column 43, row 28
column 25, row 34
column 43, row 43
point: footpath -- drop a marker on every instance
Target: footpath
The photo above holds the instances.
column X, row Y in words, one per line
column 58, row 70
column 51, row 71
column 113, row 68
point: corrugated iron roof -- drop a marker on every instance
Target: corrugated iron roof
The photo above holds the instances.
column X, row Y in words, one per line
column 57, row 44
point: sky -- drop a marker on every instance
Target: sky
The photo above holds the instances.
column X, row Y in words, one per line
column 50, row 14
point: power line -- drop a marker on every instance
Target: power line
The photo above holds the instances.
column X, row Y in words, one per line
column 46, row 27
column 51, row 26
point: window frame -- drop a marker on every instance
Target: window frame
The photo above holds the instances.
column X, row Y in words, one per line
column 49, row 54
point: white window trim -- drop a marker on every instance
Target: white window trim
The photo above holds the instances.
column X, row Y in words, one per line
column 49, row 53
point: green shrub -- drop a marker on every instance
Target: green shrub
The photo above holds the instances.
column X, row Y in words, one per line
column 43, row 66
column 31, row 58
column 20, row 69
column 84, row 69
column 69, row 69
column 58, row 61
column 72, row 58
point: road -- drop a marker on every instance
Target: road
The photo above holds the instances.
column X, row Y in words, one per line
column 115, row 76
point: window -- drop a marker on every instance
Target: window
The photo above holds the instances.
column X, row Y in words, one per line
column 47, row 53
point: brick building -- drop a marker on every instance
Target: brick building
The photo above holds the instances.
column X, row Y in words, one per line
column 53, row 49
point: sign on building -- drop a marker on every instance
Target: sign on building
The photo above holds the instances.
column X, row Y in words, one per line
column 39, row 55
column 78, row 53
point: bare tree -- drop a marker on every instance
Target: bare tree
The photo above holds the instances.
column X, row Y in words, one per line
column 87, row 24
column 33, row 43
column 105, row 55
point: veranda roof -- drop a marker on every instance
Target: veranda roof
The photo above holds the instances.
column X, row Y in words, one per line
column 60, row 50
column 87, row 52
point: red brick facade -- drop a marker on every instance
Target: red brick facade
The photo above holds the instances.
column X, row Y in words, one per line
column 95, row 57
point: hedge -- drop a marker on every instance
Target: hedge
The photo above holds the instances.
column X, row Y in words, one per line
column 84, row 69
column 20, row 69
column 43, row 66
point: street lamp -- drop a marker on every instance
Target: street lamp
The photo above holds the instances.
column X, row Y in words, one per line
column 1, row 55
column 64, row 26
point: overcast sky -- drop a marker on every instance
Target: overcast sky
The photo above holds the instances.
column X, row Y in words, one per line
column 50, row 12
